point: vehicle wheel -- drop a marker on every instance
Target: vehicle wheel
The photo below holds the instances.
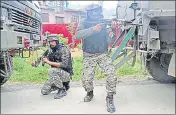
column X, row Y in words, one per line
column 158, row 68
column 5, row 79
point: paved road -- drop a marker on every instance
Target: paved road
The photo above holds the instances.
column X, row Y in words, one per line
column 130, row 99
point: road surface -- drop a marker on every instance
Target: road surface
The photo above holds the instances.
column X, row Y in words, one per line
column 151, row 98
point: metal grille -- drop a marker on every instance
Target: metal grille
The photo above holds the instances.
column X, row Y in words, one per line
column 23, row 19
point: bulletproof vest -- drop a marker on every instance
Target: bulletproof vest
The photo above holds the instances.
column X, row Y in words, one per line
column 96, row 43
column 56, row 57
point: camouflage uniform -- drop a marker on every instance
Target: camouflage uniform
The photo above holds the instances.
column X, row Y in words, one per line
column 95, row 48
column 91, row 60
column 105, row 63
column 58, row 77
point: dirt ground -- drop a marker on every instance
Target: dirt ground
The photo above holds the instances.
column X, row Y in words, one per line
column 76, row 52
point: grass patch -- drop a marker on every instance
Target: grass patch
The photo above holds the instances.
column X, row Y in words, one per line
column 77, row 68
column 24, row 72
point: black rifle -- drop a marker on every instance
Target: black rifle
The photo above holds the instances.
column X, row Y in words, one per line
column 37, row 62
column 106, row 21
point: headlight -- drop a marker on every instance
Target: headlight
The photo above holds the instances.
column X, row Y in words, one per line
column 4, row 14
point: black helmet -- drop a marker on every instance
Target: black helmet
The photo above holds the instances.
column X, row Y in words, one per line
column 94, row 12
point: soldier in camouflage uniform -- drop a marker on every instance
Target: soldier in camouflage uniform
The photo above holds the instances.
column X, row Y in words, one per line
column 95, row 38
column 61, row 68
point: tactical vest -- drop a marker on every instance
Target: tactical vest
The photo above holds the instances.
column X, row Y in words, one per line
column 56, row 57
column 96, row 43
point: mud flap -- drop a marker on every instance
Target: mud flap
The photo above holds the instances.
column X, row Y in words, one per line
column 171, row 69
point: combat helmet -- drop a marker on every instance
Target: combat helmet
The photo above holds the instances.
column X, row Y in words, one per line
column 52, row 37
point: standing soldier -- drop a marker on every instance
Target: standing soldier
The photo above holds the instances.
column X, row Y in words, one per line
column 61, row 68
column 95, row 37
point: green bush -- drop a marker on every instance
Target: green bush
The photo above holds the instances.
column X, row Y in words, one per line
column 63, row 39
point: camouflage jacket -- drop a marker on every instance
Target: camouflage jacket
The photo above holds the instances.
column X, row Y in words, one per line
column 62, row 56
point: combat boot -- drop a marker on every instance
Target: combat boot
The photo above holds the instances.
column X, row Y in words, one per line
column 66, row 85
column 89, row 96
column 61, row 93
column 110, row 103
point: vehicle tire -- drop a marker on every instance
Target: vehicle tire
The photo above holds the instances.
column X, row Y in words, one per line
column 5, row 79
column 158, row 68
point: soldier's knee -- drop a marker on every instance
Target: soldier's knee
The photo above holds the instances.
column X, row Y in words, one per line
column 111, row 79
column 85, row 78
column 110, row 74
column 45, row 92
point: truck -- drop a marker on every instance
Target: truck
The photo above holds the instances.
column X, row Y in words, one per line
column 150, row 26
column 21, row 27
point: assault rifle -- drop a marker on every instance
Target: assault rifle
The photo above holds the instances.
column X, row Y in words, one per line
column 106, row 21
column 38, row 61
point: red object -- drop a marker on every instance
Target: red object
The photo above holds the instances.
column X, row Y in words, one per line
column 117, row 34
column 60, row 29
column 26, row 43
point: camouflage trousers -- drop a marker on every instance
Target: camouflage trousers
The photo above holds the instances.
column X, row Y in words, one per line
column 56, row 78
column 105, row 63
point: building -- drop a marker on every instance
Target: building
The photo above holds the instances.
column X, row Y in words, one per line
column 54, row 12
column 72, row 15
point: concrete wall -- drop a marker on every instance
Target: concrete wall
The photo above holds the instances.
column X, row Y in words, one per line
column 52, row 16
column 68, row 16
